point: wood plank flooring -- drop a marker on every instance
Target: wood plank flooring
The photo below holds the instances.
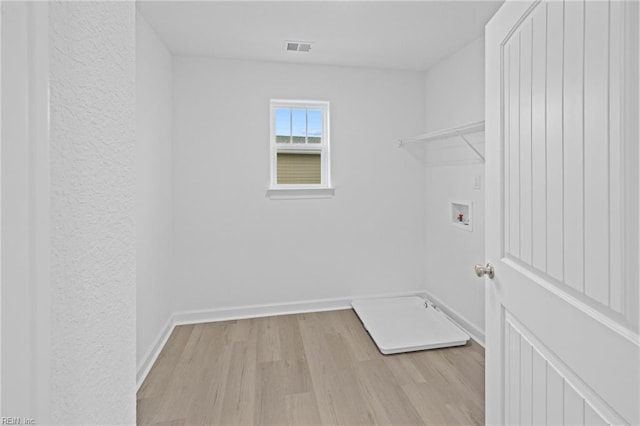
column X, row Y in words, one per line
column 307, row 369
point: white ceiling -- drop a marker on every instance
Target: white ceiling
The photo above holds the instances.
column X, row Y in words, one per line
column 409, row 35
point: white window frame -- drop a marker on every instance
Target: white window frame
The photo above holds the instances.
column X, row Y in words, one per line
column 321, row 190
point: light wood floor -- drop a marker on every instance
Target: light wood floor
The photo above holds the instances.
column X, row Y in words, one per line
column 307, row 369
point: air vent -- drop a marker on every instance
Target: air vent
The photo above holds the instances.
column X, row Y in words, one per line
column 298, row 46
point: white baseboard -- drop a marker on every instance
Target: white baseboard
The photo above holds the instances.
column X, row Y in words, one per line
column 471, row 329
column 243, row 312
column 147, row 362
column 257, row 311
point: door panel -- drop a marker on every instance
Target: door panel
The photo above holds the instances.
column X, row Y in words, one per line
column 539, row 135
column 553, row 132
column 562, row 332
column 541, row 392
column 577, row 144
column 616, row 164
column 596, row 152
column 573, row 144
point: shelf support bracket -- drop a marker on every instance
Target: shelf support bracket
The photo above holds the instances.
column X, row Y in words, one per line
column 470, row 145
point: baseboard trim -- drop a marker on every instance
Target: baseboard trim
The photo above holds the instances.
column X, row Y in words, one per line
column 257, row 311
column 470, row 328
column 154, row 352
column 244, row 312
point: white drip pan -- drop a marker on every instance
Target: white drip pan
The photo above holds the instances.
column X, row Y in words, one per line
column 406, row 324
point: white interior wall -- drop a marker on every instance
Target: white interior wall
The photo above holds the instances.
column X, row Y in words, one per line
column 93, row 241
column 153, row 189
column 235, row 247
column 454, row 95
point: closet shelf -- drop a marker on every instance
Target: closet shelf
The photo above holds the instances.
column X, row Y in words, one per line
column 459, row 131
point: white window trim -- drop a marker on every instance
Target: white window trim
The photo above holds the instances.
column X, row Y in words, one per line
column 289, row 191
column 295, row 193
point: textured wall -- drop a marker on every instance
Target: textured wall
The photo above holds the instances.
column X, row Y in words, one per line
column 92, row 68
column 455, row 96
column 234, row 246
column 153, row 201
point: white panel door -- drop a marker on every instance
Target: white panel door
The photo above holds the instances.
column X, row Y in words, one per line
column 562, row 213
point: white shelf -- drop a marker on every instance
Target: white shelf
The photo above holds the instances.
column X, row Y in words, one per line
column 459, row 131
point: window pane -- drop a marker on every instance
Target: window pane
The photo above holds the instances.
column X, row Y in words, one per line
column 314, row 126
column 299, row 125
column 294, row 168
column 283, row 125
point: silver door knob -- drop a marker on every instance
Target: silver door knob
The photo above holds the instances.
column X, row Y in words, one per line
column 484, row 270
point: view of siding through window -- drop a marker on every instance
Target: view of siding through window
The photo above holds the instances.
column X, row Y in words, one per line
column 296, row 127
column 299, row 168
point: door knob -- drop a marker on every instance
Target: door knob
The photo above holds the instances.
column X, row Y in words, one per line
column 484, row 270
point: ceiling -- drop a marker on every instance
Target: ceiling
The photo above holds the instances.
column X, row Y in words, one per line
column 410, row 35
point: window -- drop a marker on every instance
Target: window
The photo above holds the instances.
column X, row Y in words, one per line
column 300, row 162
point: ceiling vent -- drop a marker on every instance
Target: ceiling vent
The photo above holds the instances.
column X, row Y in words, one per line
column 298, row 46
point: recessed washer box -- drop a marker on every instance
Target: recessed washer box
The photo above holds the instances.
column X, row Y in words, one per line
column 462, row 214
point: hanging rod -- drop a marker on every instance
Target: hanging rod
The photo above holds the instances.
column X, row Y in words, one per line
column 459, row 131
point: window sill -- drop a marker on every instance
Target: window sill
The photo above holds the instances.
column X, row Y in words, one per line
column 299, row 193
